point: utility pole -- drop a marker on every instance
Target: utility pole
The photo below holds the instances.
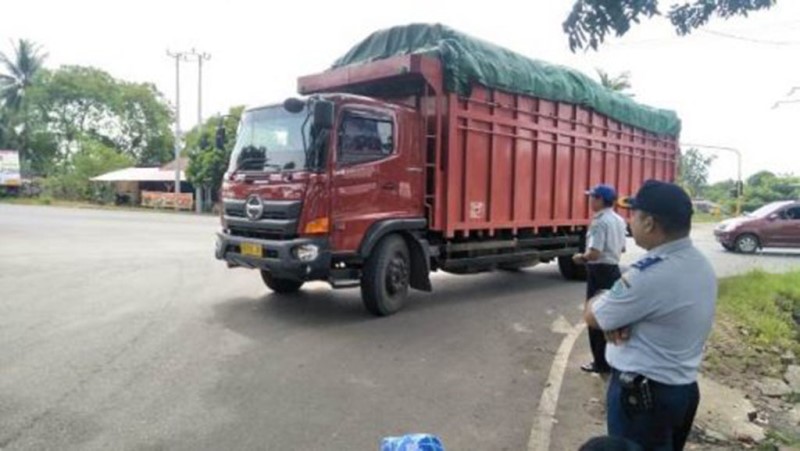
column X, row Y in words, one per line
column 201, row 56
column 178, row 56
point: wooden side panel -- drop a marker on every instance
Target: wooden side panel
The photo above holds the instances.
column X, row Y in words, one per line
column 513, row 161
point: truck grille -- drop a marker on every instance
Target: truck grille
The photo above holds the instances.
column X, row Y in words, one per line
column 275, row 209
column 278, row 221
column 261, row 234
column 266, row 215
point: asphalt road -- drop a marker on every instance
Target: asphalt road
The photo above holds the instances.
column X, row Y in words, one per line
column 118, row 330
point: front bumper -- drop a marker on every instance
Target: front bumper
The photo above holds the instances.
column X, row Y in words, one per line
column 724, row 237
column 278, row 257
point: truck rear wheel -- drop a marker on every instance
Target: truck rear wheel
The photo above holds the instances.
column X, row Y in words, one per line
column 571, row 270
column 385, row 280
column 280, row 286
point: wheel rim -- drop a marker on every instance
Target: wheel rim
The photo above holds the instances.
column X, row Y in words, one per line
column 397, row 275
column 747, row 244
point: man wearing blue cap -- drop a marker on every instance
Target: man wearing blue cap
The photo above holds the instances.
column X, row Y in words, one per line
column 657, row 317
column 605, row 242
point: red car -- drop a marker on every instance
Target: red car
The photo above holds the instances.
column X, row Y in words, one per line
column 773, row 225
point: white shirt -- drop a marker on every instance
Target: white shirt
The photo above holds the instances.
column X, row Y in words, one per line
column 606, row 234
column 667, row 299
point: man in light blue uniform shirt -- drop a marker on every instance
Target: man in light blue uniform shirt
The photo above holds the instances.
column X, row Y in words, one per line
column 605, row 243
column 657, row 318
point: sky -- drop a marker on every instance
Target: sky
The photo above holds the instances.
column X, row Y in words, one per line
column 722, row 80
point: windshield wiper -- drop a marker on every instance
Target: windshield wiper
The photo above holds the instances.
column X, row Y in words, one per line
column 242, row 163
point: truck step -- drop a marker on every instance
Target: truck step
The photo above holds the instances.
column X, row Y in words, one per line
column 346, row 283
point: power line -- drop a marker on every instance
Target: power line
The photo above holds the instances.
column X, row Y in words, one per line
column 748, row 39
column 787, row 99
column 784, row 102
column 711, row 32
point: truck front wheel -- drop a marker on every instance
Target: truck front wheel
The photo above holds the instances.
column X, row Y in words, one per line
column 385, row 280
column 280, row 286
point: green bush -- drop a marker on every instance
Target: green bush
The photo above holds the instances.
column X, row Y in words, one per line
column 72, row 182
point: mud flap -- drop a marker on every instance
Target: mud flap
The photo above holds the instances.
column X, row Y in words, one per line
column 420, row 263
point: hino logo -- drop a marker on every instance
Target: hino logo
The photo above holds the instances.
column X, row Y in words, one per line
column 253, row 207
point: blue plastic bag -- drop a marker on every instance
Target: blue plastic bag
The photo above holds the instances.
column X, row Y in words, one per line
column 412, row 442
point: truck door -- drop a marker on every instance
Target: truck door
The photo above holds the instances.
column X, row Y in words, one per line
column 371, row 180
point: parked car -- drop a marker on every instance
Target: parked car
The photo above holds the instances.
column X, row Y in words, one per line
column 706, row 206
column 773, row 225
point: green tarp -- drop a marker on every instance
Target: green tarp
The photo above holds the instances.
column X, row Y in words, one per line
column 470, row 60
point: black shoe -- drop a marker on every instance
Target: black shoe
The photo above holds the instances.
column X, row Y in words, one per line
column 593, row 368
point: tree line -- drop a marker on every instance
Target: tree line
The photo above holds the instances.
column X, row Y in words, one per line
column 758, row 190
column 75, row 122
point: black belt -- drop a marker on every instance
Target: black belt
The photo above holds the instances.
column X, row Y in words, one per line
column 653, row 383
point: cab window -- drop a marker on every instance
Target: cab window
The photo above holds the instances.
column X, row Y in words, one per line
column 364, row 137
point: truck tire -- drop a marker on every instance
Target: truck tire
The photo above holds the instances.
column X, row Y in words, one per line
column 746, row 243
column 385, row 280
column 280, row 286
column 570, row 270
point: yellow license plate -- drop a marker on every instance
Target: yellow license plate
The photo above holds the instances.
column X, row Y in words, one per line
column 253, row 250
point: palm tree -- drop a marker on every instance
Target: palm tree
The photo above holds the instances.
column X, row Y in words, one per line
column 19, row 72
column 16, row 77
column 621, row 83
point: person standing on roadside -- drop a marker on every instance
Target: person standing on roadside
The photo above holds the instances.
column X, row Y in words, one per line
column 657, row 318
column 605, row 242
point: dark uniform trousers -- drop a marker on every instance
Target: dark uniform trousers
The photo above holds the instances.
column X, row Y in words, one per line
column 600, row 276
column 666, row 427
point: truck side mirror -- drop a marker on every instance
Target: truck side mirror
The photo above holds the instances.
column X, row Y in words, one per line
column 773, row 216
column 323, row 114
column 220, row 137
column 293, row 105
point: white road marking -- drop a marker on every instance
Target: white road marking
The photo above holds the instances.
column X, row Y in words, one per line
column 546, row 412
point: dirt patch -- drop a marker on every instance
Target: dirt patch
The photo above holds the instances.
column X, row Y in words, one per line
column 732, row 360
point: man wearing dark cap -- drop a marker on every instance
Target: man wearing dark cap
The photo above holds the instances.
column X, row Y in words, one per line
column 605, row 242
column 657, row 318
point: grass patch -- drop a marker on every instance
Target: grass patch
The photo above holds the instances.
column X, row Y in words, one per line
column 700, row 218
column 756, row 324
column 793, row 398
column 47, row 200
column 765, row 306
column 775, row 438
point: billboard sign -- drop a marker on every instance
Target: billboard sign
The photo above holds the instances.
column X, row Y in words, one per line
column 9, row 168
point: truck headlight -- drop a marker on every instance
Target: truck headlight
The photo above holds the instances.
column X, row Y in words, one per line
column 306, row 252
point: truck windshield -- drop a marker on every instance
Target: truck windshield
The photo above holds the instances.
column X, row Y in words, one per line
column 270, row 140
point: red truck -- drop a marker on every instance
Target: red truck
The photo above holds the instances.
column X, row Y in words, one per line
column 424, row 149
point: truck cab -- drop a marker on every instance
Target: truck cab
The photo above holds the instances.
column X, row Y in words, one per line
column 309, row 183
